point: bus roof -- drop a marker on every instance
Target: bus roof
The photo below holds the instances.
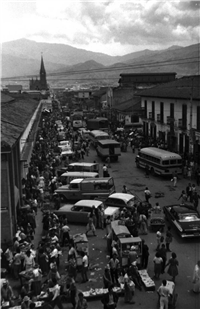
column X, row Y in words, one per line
column 108, row 141
column 99, row 132
column 160, row 153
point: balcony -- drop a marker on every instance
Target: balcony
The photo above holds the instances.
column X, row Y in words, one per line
column 169, row 120
column 158, row 118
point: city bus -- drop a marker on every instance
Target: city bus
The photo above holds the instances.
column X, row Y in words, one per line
column 99, row 123
column 97, row 135
column 77, row 120
column 108, row 148
column 159, row 161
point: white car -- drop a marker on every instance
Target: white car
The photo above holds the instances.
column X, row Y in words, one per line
column 121, row 200
column 65, row 145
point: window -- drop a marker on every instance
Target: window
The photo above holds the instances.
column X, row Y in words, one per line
column 161, row 112
column 153, row 110
column 77, row 208
column 184, row 116
column 172, row 110
column 172, row 162
column 74, row 186
column 166, row 162
column 145, row 109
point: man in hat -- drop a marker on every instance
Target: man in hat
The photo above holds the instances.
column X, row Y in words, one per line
column 7, row 293
column 132, row 257
column 26, row 303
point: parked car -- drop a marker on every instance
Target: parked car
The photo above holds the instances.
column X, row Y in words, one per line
column 121, row 200
column 78, row 212
column 64, row 145
column 184, row 218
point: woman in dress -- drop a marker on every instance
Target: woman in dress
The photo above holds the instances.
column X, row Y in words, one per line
column 196, row 278
column 173, row 266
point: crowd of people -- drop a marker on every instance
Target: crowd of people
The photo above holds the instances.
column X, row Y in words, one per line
column 41, row 265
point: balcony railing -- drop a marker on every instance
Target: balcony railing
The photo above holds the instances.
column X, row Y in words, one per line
column 158, row 118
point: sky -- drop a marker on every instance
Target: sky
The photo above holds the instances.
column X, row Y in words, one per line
column 111, row 27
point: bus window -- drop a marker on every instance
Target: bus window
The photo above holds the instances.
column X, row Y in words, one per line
column 172, row 161
column 166, row 162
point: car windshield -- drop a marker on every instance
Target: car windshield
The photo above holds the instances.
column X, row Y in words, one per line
column 131, row 202
column 188, row 218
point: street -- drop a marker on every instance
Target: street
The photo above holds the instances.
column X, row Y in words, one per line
column 188, row 250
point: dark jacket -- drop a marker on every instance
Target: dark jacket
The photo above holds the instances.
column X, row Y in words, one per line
column 105, row 299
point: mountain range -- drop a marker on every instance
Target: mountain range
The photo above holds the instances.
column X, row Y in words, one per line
column 65, row 64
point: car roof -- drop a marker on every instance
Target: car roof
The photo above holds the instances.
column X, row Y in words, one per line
column 89, row 203
column 80, row 174
column 110, row 210
column 183, row 209
column 122, row 196
column 64, row 208
column 82, row 164
column 77, row 180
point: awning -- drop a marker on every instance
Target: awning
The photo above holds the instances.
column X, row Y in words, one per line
column 16, row 195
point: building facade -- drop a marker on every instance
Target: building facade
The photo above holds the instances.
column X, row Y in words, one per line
column 20, row 118
column 172, row 113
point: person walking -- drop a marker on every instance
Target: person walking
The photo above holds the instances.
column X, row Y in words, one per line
column 173, row 266
column 164, row 294
column 114, row 266
column 143, row 224
column 183, row 197
column 196, row 278
column 55, row 292
column 168, row 238
column 124, row 190
column 90, row 226
column 174, row 180
column 105, row 171
column 189, row 192
column 110, row 299
column 163, row 254
column 85, row 264
column 158, row 261
column 147, row 194
column 145, row 255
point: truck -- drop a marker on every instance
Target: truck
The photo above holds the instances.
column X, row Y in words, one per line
column 88, row 188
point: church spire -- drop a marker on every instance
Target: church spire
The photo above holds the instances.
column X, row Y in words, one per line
column 43, row 81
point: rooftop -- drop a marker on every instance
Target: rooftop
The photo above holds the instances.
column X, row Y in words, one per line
column 182, row 88
column 16, row 112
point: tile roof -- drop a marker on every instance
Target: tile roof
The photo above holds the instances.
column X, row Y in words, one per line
column 131, row 105
column 179, row 89
column 16, row 112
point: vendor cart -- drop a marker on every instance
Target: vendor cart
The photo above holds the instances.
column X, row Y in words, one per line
column 125, row 245
column 157, row 220
column 119, row 230
column 173, row 295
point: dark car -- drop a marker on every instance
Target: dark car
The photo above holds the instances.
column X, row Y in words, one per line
column 185, row 219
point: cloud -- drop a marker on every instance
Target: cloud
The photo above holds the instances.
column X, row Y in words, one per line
column 114, row 25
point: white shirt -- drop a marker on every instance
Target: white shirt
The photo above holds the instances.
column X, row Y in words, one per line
column 65, row 229
column 85, row 261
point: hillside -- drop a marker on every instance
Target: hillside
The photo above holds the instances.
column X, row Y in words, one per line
column 65, row 63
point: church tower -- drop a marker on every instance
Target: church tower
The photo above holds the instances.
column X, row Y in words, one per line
column 43, row 81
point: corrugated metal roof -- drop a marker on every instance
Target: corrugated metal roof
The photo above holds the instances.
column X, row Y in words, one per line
column 132, row 104
column 182, row 88
column 16, row 112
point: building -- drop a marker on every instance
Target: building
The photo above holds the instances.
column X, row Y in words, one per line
column 20, row 116
column 172, row 113
column 39, row 84
column 136, row 80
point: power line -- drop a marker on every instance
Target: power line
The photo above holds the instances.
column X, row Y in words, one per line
column 110, row 69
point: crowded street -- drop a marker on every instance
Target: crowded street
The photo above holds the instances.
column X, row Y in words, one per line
column 42, row 202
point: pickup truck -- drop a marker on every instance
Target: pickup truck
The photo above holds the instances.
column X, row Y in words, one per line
column 88, row 188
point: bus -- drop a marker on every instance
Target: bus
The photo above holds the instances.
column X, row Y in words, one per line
column 97, row 135
column 99, row 123
column 108, row 148
column 77, row 120
column 159, row 161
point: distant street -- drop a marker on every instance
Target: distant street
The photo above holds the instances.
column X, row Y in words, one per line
column 188, row 251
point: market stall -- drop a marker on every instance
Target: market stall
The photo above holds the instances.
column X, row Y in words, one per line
column 157, row 220
column 119, row 230
column 146, row 280
column 94, row 294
